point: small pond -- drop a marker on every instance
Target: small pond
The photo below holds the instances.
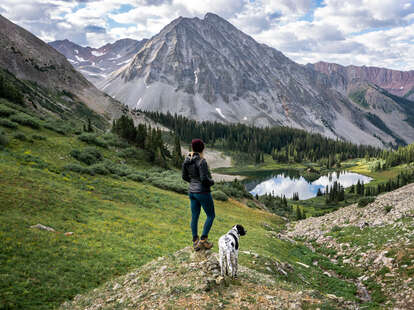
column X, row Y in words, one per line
column 287, row 183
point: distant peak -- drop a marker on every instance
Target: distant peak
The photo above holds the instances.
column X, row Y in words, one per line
column 212, row 16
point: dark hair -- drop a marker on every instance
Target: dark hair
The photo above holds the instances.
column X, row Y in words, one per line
column 197, row 145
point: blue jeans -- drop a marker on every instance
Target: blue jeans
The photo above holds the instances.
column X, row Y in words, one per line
column 199, row 200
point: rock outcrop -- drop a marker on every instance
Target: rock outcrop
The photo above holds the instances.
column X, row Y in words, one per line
column 377, row 239
column 189, row 280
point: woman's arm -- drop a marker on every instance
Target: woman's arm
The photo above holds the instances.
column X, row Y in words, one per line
column 185, row 175
column 205, row 176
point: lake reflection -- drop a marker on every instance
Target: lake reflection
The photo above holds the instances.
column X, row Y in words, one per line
column 281, row 184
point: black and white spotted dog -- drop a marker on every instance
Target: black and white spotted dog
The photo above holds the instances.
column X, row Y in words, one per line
column 229, row 250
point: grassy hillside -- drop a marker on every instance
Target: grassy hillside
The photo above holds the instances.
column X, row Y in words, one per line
column 119, row 219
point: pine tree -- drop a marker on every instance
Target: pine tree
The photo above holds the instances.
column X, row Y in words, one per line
column 177, row 157
column 90, row 129
column 319, row 193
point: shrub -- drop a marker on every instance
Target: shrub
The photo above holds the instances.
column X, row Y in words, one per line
column 336, row 228
column 172, row 185
column 251, row 204
column 134, row 153
column 20, row 136
column 88, row 155
column 167, row 179
column 38, row 137
column 6, row 111
column 56, row 128
column 114, row 140
column 34, row 161
column 117, row 169
column 92, row 138
column 219, row 195
column 77, row 168
column 26, row 120
column 3, row 140
column 99, row 169
column 137, row 177
column 387, row 209
column 365, row 201
column 6, row 123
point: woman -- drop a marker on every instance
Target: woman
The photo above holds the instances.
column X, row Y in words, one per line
column 196, row 172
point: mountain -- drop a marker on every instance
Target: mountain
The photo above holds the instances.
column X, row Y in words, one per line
column 207, row 69
column 399, row 83
column 51, row 76
column 383, row 93
column 96, row 63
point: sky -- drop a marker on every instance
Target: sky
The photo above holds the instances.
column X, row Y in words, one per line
column 359, row 32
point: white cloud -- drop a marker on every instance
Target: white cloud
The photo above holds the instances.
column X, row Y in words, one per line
column 369, row 32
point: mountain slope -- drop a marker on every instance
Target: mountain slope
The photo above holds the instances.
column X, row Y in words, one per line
column 378, row 238
column 378, row 92
column 30, row 59
column 96, row 63
column 207, row 69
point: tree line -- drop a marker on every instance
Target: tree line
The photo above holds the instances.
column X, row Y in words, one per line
column 149, row 139
column 9, row 91
column 392, row 158
column 283, row 143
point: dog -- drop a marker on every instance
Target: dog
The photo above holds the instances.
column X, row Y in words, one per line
column 229, row 250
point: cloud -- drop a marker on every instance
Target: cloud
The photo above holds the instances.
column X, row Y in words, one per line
column 357, row 32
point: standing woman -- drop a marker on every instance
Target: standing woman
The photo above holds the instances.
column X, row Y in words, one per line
column 195, row 171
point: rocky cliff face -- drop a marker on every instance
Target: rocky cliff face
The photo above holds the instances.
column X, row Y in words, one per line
column 396, row 82
column 207, row 69
column 382, row 93
column 29, row 58
column 97, row 63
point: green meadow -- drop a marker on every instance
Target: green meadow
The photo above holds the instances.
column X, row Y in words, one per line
column 118, row 222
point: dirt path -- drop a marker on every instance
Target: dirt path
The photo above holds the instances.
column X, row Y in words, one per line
column 217, row 159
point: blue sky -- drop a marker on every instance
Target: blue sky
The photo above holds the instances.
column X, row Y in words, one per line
column 360, row 32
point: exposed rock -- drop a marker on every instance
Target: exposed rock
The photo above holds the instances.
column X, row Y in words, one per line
column 175, row 282
column 378, row 259
column 40, row 226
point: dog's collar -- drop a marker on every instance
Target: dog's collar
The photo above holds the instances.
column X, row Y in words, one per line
column 235, row 240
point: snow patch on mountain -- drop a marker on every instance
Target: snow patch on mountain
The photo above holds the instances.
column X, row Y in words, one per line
column 97, row 54
column 220, row 113
column 80, row 58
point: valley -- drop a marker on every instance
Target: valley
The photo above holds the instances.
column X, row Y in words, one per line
column 95, row 213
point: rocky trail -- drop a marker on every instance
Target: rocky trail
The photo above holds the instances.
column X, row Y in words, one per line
column 190, row 280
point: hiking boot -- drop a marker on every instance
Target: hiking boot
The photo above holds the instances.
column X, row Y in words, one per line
column 204, row 243
column 196, row 245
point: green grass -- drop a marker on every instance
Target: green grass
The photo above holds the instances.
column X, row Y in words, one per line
column 358, row 97
column 364, row 166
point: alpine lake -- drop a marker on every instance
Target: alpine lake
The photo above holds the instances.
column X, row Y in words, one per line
column 287, row 182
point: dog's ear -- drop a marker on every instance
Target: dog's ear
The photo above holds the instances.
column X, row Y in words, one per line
column 241, row 230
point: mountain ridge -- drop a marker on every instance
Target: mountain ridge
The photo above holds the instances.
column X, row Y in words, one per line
column 213, row 71
column 28, row 58
column 397, row 82
column 96, row 63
